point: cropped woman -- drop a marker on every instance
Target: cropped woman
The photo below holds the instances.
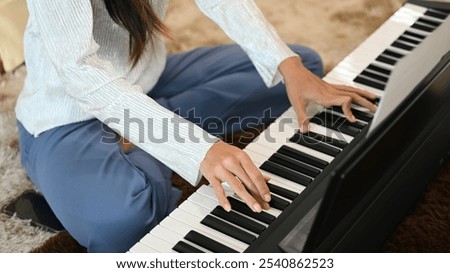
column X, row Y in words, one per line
column 98, row 75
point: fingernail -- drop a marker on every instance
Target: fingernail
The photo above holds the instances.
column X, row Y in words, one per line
column 267, row 197
column 266, row 206
column 304, row 129
column 257, row 207
column 227, row 207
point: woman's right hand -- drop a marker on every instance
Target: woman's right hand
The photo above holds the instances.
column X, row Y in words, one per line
column 226, row 163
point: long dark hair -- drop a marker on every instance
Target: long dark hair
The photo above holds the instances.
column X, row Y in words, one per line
column 139, row 18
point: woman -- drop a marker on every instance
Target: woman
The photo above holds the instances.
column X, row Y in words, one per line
column 98, row 73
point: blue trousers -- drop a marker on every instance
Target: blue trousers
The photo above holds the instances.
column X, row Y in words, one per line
column 108, row 199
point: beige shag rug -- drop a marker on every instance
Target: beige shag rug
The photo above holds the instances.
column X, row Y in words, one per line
column 333, row 28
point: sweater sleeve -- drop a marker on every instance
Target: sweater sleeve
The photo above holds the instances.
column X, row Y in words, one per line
column 244, row 23
column 66, row 29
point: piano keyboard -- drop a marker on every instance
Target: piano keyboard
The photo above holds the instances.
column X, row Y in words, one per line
column 291, row 159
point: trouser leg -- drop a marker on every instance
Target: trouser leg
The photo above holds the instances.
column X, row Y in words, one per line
column 219, row 89
column 106, row 199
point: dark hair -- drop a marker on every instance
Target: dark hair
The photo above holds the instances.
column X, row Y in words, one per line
column 139, row 18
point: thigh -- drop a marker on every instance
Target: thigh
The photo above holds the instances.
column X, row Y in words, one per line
column 106, row 199
column 219, row 89
column 186, row 70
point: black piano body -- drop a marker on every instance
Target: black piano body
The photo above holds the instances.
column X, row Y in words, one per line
column 365, row 193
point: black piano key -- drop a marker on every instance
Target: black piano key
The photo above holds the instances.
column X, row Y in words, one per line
column 288, row 194
column 413, row 34
column 422, row 27
column 376, row 68
column 208, row 243
column 393, row 54
column 328, row 140
column 278, row 203
column 286, row 173
column 339, row 118
column 364, row 116
column 386, row 60
column 336, row 123
column 428, row 22
column 244, row 209
column 304, row 157
column 182, row 247
column 295, row 165
column 228, row 229
column 314, row 144
column 376, row 100
column 436, row 14
column 403, row 46
column 375, row 76
column 409, row 40
column 238, row 219
column 370, row 83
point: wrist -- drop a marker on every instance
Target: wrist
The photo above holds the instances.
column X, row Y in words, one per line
column 291, row 67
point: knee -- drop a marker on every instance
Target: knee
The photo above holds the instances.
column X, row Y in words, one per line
column 311, row 59
column 119, row 232
column 118, row 224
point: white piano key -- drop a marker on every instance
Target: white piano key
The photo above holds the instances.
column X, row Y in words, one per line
column 319, row 129
column 183, row 228
column 173, row 237
column 415, row 9
column 194, row 221
column 195, row 209
column 362, row 108
column 201, row 212
column 166, row 234
column 283, row 180
column 203, row 200
column 141, row 248
column 157, row 243
column 283, row 137
column 295, row 187
column 260, row 159
column 336, row 79
column 298, row 147
column 208, row 192
column 199, row 198
column 341, row 115
column 288, row 129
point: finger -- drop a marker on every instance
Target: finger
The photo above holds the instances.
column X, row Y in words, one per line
column 344, row 102
column 358, row 99
column 364, row 102
column 242, row 192
column 303, row 120
column 347, row 110
column 361, row 92
column 256, row 179
column 220, row 194
column 251, row 188
column 246, row 172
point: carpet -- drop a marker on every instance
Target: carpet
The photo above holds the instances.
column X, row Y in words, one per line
column 333, row 30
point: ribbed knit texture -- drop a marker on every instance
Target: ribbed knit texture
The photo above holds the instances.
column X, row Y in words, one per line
column 78, row 69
